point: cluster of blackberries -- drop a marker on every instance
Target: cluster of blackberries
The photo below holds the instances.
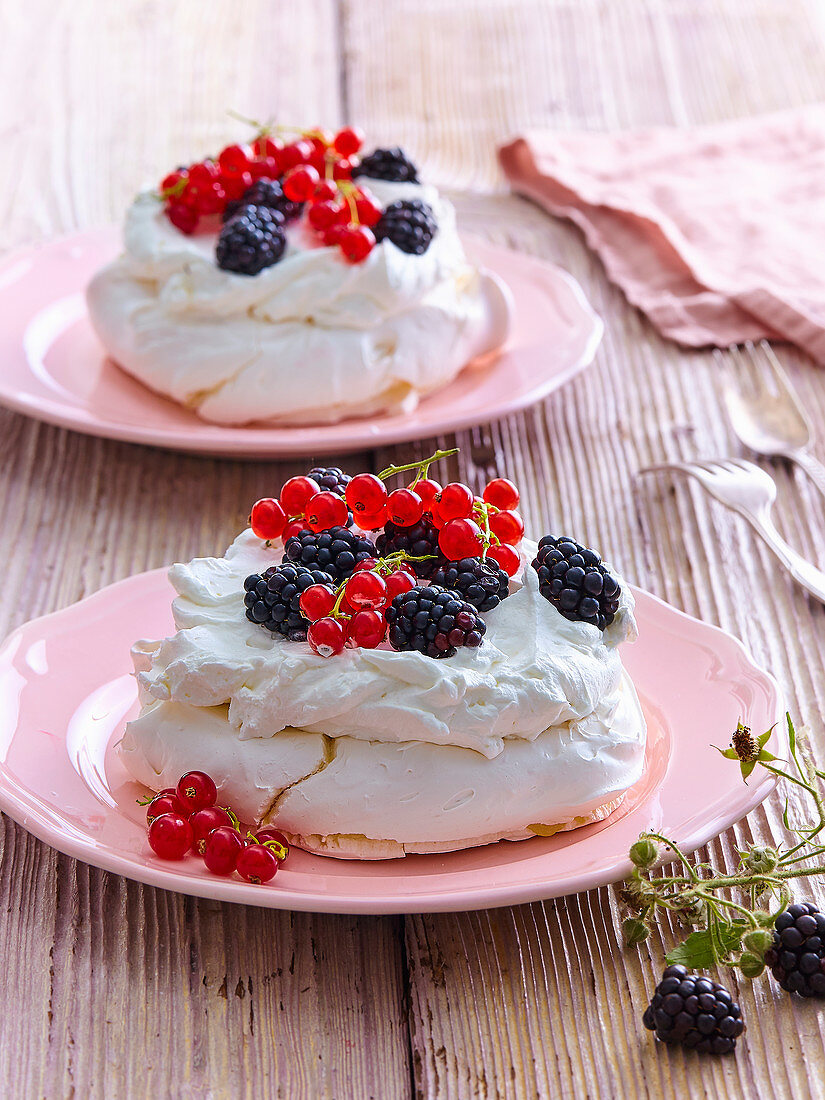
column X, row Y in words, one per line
column 433, row 621
column 418, row 541
column 251, row 240
column 695, row 1012
column 387, row 164
column 484, row 584
column 410, row 224
column 271, row 598
column 574, row 580
column 336, row 551
column 265, row 192
column 797, row 956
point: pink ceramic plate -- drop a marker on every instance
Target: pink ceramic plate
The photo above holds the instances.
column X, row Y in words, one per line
column 66, row 691
column 52, row 366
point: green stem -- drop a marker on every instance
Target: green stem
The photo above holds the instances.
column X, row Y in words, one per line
column 674, row 847
column 423, row 466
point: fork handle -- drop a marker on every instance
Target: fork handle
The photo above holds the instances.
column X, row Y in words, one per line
column 812, row 467
column 802, row 571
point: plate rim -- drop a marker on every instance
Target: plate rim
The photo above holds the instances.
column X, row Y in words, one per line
column 215, row 440
column 489, row 897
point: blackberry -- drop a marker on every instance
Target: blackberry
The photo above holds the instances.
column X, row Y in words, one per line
column 695, row 1012
column 575, row 581
column 409, row 223
column 336, row 551
column 265, row 192
column 433, row 621
column 419, row 540
column 484, row 584
column 387, row 164
column 271, row 598
column 797, row 957
column 252, row 240
column 332, row 479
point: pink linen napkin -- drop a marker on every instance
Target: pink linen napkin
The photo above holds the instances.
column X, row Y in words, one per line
column 717, row 232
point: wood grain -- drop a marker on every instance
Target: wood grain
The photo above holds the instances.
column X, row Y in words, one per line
column 115, row 989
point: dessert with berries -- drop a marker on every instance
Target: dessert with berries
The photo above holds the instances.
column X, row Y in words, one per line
column 384, row 664
column 295, row 279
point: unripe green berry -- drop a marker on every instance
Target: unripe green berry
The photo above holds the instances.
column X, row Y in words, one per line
column 635, row 930
column 761, row 860
column 644, row 852
column 750, row 965
column 758, row 941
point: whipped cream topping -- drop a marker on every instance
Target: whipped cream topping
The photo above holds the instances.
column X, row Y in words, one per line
column 309, row 338
column 534, row 670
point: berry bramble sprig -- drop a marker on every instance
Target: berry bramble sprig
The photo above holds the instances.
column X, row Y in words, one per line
column 736, row 917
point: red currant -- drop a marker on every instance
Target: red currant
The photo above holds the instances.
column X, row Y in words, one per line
column 299, row 183
column 264, row 146
column 366, row 590
column 203, row 822
column 234, row 158
column 501, row 493
column 369, row 212
column 203, row 174
column 428, row 490
column 165, row 803
column 275, row 841
column 170, row 836
column 295, row 527
column 367, row 565
column 326, row 510
column 506, row 557
column 212, row 199
column 366, row 493
column 326, row 637
column 326, row 191
column 197, row 790
column 404, row 507
column 348, row 141
column 316, row 602
column 398, row 582
column 182, row 217
column 332, row 236
column 367, row 629
column 297, row 153
column 356, row 242
column 265, row 168
column 257, row 864
column 173, row 181
column 296, row 495
column 267, row 519
column 322, row 214
column 460, row 538
column 372, row 521
column 221, row 850
column 342, row 170
column 235, row 184
column 455, row 501
column 507, row 526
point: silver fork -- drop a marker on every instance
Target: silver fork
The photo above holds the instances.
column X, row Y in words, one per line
column 771, row 420
column 750, row 491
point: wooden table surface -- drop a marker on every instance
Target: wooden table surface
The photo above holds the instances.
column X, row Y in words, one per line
column 110, row 988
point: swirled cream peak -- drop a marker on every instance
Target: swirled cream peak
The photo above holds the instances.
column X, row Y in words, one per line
column 311, row 338
column 535, row 669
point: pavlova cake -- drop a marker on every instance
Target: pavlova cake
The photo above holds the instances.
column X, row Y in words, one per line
column 380, row 673
column 295, row 282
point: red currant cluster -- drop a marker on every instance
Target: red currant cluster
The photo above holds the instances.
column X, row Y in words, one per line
column 186, row 819
column 315, row 168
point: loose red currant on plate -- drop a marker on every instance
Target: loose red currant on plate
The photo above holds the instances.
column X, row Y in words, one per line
column 165, row 803
column 356, row 242
column 366, row 590
column 348, row 141
column 455, row 501
column 316, row 602
column 322, row 215
column 428, row 490
column 170, row 836
column 326, row 637
column 507, row 526
column 460, row 538
column 506, row 557
column 296, row 495
column 182, row 217
column 257, row 864
column 197, row 790
column 299, row 183
column 399, row 581
column 501, row 493
column 367, row 629
column 221, row 850
column 404, row 507
column 275, row 841
column 267, row 519
column 368, row 209
column 366, row 494
column 203, row 822
column 297, row 153
column 326, row 510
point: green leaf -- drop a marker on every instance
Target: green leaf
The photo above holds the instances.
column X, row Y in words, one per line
column 700, row 948
column 785, row 820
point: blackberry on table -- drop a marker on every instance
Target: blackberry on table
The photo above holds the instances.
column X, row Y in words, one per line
column 419, row 540
column 252, row 240
column 410, row 224
column 265, row 192
column 271, row 598
column 433, row 621
column 574, row 579
column 797, row 957
column 337, row 551
column 695, row 1012
column 387, row 164
column 484, row 584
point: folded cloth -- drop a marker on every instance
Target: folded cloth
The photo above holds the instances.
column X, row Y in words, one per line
column 716, row 232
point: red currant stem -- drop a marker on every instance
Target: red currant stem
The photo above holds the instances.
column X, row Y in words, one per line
column 173, row 191
column 422, row 467
column 339, row 597
column 145, row 801
column 233, row 817
column 347, row 190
